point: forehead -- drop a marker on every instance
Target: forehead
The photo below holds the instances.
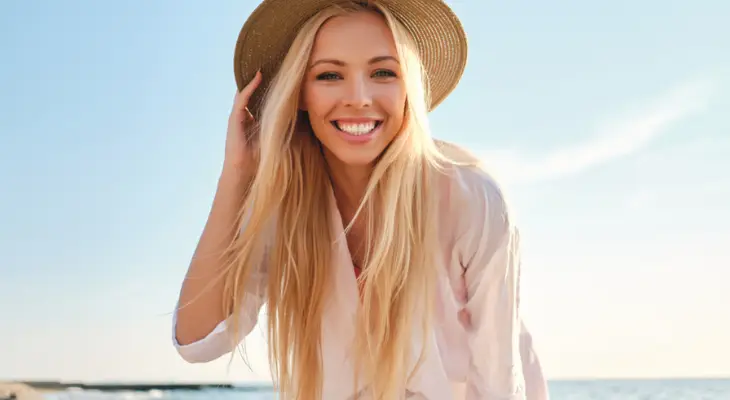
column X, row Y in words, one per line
column 364, row 34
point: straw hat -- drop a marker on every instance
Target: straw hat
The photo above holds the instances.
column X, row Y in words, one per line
column 271, row 28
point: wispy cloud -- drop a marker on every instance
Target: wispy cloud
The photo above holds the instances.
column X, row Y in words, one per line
column 615, row 138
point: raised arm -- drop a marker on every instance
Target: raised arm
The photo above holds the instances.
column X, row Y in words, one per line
column 199, row 325
column 199, row 321
column 200, row 305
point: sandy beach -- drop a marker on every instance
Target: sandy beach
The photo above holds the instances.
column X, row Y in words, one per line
column 20, row 390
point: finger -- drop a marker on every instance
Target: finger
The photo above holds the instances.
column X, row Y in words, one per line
column 248, row 114
column 245, row 94
column 251, row 128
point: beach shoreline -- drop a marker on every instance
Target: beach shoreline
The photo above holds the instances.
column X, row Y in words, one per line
column 21, row 391
column 35, row 390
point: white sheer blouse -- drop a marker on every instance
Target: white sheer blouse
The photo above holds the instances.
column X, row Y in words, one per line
column 479, row 349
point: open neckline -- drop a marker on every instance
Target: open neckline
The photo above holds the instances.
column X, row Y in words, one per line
column 347, row 285
column 357, row 269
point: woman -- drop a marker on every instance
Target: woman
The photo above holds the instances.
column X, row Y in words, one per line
column 387, row 262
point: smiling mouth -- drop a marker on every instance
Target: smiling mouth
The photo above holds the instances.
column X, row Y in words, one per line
column 356, row 128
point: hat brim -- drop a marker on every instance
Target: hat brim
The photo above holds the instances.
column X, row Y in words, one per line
column 270, row 30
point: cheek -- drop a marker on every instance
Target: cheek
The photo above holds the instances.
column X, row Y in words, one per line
column 397, row 97
column 395, row 103
column 318, row 102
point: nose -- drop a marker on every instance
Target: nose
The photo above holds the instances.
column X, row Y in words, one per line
column 358, row 93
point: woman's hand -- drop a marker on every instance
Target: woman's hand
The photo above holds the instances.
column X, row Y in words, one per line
column 239, row 155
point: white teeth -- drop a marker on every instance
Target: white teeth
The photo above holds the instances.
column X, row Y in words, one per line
column 357, row 129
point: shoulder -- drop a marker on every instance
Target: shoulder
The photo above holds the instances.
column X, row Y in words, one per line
column 470, row 193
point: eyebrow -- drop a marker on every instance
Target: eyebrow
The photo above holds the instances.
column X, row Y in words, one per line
column 342, row 63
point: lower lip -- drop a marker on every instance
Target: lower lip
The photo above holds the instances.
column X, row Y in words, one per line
column 359, row 139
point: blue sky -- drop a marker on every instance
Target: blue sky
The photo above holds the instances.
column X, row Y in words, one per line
column 606, row 122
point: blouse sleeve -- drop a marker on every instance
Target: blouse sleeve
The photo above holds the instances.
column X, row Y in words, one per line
column 490, row 259
column 219, row 341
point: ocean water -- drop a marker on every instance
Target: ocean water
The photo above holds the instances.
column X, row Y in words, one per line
column 675, row 389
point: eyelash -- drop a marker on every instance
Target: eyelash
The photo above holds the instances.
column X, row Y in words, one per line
column 326, row 76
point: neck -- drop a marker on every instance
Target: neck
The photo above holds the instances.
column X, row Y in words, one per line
column 349, row 183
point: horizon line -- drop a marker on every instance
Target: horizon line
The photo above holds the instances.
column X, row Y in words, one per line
column 268, row 383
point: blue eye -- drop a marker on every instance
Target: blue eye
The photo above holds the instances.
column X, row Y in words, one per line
column 326, row 76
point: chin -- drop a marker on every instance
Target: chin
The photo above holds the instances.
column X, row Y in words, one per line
column 355, row 158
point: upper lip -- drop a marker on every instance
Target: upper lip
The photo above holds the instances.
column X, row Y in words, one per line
column 357, row 120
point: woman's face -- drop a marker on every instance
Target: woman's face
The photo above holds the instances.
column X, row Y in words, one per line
column 353, row 90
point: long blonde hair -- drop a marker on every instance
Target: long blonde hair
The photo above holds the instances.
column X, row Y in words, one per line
column 291, row 191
